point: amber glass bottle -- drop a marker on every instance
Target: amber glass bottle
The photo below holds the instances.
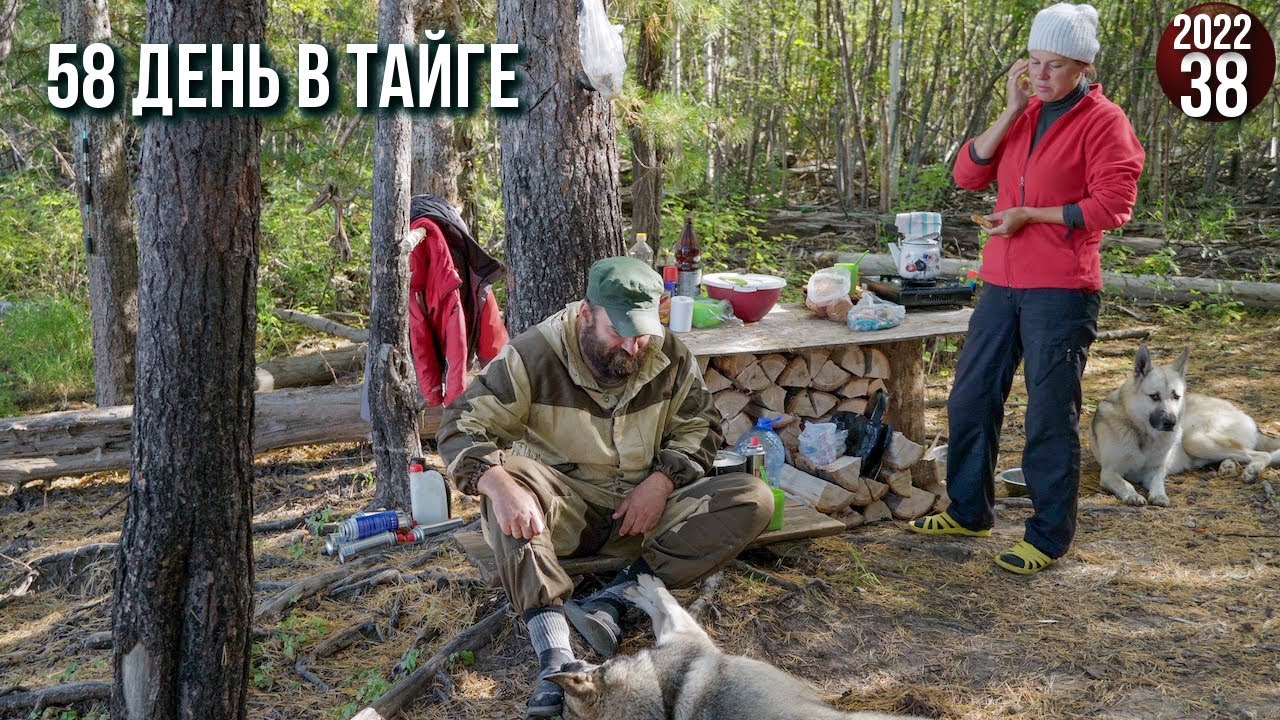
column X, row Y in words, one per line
column 688, row 255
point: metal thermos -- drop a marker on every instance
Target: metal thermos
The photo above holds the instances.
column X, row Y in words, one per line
column 348, row 549
column 367, row 525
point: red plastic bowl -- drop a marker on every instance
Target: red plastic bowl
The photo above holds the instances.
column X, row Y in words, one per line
column 751, row 295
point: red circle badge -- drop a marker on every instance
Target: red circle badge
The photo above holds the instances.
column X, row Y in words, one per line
column 1215, row 61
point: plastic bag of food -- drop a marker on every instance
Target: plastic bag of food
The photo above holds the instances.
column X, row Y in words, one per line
column 822, row 443
column 826, row 286
column 872, row 313
column 710, row 312
column 600, row 43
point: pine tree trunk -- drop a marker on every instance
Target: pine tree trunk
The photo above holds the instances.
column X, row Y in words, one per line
column 8, row 20
column 102, row 183
column 437, row 163
column 184, row 579
column 393, row 391
column 646, row 155
column 559, row 166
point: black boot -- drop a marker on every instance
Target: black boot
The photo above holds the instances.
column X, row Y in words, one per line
column 598, row 618
column 598, row 621
column 547, row 699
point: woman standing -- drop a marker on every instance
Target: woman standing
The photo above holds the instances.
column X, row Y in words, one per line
column 1066, row 164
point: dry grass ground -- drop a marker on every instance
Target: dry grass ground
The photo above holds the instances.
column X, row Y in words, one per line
column 1155, row 613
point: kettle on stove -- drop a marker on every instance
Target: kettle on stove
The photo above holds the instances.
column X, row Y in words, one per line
column 919, row 257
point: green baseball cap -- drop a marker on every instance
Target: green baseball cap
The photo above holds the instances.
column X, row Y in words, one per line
column 629, row 291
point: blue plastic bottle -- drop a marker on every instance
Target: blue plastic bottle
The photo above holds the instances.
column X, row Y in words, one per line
column 774, row 453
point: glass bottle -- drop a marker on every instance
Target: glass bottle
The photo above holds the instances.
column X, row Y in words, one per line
column 688, row 255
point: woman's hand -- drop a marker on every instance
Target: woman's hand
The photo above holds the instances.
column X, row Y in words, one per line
column 1008, row 221
column 1018, row 87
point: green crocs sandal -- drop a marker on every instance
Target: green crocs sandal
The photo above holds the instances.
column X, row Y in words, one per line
column 1023, row 559
column 943, row 524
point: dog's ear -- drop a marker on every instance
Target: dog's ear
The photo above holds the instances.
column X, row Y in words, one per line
column 584, row 685
column 1180, row 365
column 1142, row 362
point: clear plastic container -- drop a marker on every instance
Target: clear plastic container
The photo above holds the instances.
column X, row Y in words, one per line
column 774, row 452
column 641, row 250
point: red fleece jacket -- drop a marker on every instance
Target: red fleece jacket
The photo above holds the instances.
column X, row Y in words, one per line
column 1090, row 156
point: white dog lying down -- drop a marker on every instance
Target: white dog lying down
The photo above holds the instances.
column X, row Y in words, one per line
column 1151, row 426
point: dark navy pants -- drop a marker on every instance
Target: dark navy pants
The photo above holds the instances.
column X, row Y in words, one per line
column 1050, row 330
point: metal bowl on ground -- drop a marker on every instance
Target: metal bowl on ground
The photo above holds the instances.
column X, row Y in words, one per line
column 1014, row 483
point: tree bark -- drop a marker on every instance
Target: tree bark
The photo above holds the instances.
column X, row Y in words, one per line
column 184, row 579
column 559, row 166
column 8, row 20
column 102, row 184
column 647, row 156
column 393, row 391
column 83, row 441
column 437, row 140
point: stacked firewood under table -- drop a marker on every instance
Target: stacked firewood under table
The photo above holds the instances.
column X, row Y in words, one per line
column 807, row 387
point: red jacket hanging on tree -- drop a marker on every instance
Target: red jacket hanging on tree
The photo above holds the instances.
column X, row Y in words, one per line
column 453, row 315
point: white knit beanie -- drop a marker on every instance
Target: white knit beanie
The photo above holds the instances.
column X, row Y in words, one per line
column 1066, row 29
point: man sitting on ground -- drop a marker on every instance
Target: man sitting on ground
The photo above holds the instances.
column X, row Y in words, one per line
column 593, row 432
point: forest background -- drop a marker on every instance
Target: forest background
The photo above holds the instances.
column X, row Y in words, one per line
column 747, row 107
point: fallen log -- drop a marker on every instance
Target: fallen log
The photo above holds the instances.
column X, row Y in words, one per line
column 1141, row 333
column 56, row 695
column 76, row 442
column 1149, row 288
column 323, row 324
column 318, row 368
column 408, row 689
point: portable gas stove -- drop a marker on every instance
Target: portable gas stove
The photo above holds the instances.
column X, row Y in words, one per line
column 920, row 293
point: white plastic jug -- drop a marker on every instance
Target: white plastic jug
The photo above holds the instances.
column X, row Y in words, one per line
column 428, row 496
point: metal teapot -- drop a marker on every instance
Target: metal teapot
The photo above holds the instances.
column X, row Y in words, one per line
column 918, row 258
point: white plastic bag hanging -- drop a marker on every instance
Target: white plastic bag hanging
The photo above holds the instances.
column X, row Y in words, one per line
column 600, row 43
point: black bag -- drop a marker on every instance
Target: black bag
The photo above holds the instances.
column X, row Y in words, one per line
column 869, row 435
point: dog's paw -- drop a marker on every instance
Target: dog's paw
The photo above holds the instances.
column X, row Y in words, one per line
column 1228, row 467
column 645, row 592
column 1253, row 470
column 1134, row 499
column 1158, row 499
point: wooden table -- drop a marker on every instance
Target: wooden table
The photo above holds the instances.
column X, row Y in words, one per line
column 792, row 327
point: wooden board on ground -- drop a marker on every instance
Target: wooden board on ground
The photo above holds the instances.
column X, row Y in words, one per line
column 799, row 521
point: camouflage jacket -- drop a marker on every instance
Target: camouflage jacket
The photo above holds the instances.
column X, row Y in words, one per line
column 538, row 399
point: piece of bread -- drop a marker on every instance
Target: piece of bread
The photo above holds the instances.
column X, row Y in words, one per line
column 982, row 221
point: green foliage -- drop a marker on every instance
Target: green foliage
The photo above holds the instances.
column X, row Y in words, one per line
column 47, row 354
column 410, row 661
column 1217, row 309
column 40, row 244
column 462, row 658
column 924, row 188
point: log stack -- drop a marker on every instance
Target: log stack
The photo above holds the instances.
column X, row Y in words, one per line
column 810, row 386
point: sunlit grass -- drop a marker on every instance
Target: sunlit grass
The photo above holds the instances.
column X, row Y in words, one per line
column 47, row 354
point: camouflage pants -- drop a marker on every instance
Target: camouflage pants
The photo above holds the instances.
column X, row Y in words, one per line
column 705, row 525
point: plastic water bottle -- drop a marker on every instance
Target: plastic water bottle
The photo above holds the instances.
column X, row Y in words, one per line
column 774, row 453
column 428, row 494
column 641, row 250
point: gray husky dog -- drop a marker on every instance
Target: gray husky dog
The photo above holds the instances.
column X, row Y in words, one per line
column 1151, row 426
column 684, row 676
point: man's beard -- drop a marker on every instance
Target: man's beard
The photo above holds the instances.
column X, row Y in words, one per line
column 611, row 365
